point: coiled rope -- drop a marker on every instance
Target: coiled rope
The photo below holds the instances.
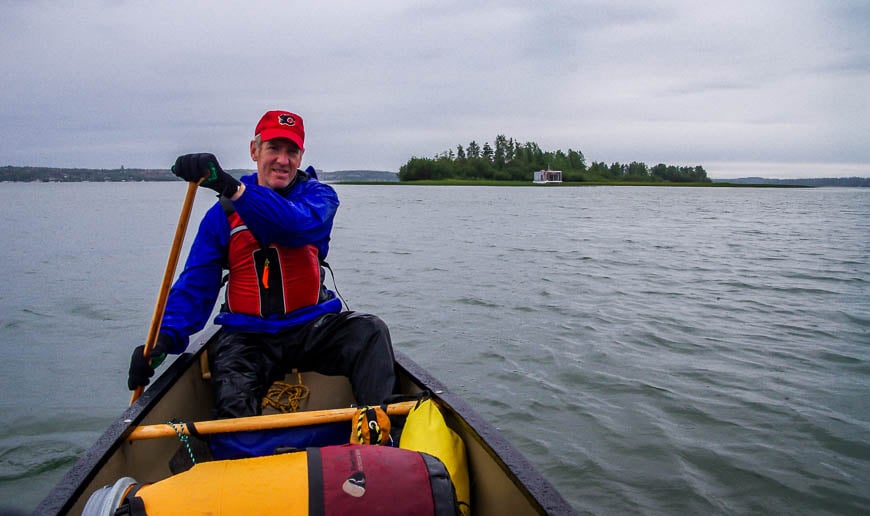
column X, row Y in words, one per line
column 285, row 397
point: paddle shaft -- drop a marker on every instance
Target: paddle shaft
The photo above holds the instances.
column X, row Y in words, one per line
column 242, row 424
column 168, row 274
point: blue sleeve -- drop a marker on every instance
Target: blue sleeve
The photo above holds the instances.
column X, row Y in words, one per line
column 303, row 217
column 193, row 295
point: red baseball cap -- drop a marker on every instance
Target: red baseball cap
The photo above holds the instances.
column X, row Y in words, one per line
column 281, row 124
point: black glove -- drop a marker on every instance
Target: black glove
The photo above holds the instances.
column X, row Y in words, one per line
column 193, row 167
column 141, row 367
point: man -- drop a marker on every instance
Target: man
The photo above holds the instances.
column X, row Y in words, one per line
column 271, row 231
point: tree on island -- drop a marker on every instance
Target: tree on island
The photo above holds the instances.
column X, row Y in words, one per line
column 511, row 160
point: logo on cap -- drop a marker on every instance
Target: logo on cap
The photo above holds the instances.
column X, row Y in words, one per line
column 286, row 120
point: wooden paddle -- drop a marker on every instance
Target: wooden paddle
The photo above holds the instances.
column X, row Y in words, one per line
column 242, row 424
column 168, row 274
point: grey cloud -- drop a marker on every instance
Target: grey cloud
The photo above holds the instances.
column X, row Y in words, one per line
column 134, row 83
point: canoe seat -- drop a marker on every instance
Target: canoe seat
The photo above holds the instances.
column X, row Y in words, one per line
column 324, row 392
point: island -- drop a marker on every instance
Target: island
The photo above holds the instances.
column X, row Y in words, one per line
column 512, row 160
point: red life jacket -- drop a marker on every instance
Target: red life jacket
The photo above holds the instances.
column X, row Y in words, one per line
column 269, row 280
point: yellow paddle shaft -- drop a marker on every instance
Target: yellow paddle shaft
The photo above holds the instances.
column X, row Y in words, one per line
column 168, row 273
column 267, row 422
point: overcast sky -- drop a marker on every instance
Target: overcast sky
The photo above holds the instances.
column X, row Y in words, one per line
column 758, row 87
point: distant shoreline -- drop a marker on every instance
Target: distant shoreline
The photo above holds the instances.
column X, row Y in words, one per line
column 135, row 175
column 377, row 177
column 566, row 184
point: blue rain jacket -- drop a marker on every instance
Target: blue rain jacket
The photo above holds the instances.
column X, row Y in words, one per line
column 304, row 215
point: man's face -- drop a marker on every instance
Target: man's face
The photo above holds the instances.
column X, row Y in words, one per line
column 277, row 162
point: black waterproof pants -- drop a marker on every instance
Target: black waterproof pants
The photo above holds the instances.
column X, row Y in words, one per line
column 244, row 365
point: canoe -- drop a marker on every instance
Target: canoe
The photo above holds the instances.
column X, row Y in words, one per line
column 501, row 480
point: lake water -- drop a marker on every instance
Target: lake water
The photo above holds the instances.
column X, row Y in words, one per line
column 650, row 350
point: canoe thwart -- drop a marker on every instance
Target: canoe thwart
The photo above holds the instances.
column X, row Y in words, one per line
column 266, row 422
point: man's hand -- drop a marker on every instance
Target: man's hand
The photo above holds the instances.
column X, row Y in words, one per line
column 193, row 167
column 142, row 367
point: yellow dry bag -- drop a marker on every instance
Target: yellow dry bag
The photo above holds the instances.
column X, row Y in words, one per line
column 426, row 431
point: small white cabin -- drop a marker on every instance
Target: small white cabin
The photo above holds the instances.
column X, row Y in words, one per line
column 548, row 176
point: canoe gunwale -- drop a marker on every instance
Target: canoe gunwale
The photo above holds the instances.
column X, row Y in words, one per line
column 527, row 478
column 69, row 489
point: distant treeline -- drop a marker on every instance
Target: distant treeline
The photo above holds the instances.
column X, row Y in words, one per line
column 510, row 160
column 815, row 181
column 358, row 176
column 73, row 175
